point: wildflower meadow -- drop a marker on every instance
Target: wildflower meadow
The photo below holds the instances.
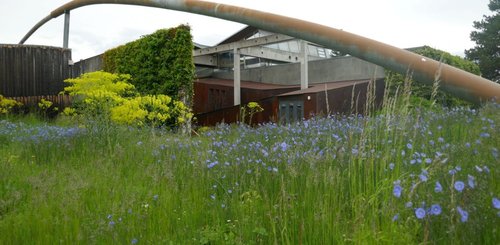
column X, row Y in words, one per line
column 394, row 177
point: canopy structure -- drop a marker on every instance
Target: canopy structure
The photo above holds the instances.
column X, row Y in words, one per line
column 458, row 82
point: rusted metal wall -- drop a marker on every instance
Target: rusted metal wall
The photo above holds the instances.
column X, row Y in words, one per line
column 340, row 100
column 28, row 70
column 232, row 114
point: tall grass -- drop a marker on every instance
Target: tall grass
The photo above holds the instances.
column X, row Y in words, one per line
column 334, row 180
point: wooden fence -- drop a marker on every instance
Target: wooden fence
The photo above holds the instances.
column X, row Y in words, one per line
column 60, row 101
column 29, row 70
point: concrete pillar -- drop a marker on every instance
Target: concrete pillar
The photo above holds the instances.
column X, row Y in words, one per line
column 66, row 29
column 304, row 65
column 237, row 77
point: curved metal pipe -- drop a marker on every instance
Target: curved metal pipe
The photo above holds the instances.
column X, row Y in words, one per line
column 460, row 83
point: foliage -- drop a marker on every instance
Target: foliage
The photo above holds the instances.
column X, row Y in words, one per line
column 249, row 110
column 160, row 63
column 335, row 180
column 7, row 105
column 97, row 92
column 47, row 109
column 486, row 53
column 111, row 96
column 156, row 110
column 431, row 92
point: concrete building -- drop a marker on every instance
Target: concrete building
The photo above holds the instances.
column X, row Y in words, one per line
column 290, row 78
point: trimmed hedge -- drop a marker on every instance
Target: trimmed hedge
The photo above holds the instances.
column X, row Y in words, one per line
column 159, row 63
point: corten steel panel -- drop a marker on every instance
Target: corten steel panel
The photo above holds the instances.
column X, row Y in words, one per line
column 340, row 100
column 232, row 114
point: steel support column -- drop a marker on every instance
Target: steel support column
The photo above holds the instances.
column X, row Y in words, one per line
column 237, row 77
column 66, row 29
column 304, row 65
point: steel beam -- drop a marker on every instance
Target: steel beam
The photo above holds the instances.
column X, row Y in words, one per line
column 460, row 83
column 271, row 54
column 259, row 41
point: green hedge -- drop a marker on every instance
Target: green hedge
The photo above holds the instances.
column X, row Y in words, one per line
column 424, row 91
column 159, row 63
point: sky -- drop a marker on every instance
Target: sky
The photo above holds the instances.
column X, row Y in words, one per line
column 441, row 24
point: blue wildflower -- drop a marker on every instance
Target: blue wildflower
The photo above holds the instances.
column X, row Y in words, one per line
column 428, row 160
column 395, row 217
column 464, row 215
column 435, row 209
column 471, row 181
column 283, row 146
column 212, row 164
column 485, row 135
column 391, row 166
column 438, row 187
column 409, row 204
column 397, row 191
column 496, row 203
column 409, row 146
column 134, row 241
column 111, row 223
column 155, row 197
column 423, row 177
column 420, row 213
column 459, row 186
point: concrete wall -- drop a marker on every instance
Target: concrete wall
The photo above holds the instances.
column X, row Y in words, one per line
column 320, row 71
column 88, row 65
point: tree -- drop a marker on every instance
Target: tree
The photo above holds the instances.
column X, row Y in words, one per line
column 486, row 53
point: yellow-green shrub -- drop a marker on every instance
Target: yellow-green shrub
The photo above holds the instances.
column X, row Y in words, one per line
column 155, row 110
column 114, row 98
column 7, row 105
column 97, row 92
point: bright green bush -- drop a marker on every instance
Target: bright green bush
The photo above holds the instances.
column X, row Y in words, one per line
column 160, row 63
column 7, row 105
column 96, row 93
column 155, row 110
column 113, row 97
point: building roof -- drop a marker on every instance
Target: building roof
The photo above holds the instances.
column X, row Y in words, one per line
column 245, row 84
column 315, row 88
column 244, row 33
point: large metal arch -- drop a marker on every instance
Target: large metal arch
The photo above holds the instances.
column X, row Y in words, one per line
column 458, row 82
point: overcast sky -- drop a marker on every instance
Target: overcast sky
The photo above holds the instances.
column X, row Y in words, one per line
column 442, row 24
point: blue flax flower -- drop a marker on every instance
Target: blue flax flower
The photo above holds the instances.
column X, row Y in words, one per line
column 438, row 188
column 459, row 186
column 496, row 203
column 396, row 217
column 397, row 190
column 420, row 213
column 464, row 215
column 471, row 181
column 435, row 209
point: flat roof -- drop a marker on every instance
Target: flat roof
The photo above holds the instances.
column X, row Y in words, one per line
column 315, row 88
column 245, row 84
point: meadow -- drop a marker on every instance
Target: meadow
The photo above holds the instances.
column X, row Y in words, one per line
column 395, row 177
